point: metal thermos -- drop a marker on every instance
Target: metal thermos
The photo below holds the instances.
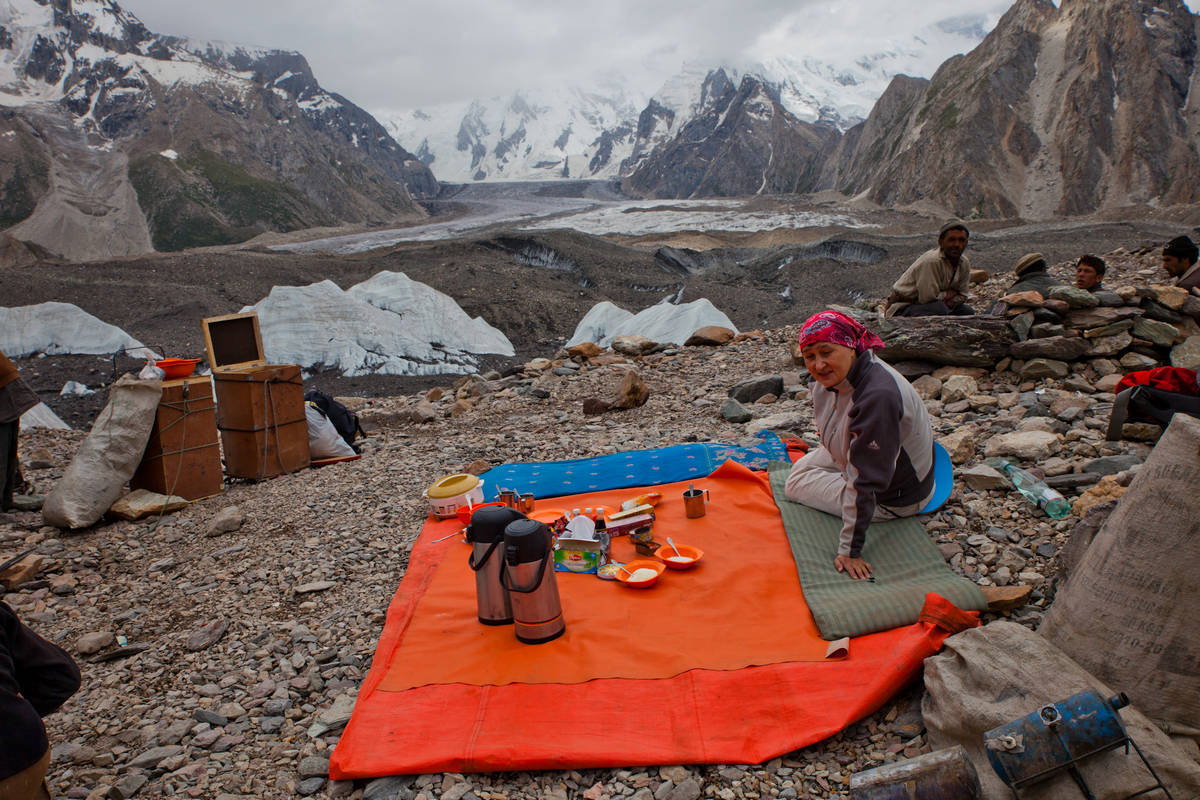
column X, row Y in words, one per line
column 529, row 578
column 486, row 535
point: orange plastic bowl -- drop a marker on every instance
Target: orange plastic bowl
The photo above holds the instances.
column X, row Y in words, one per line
column 175, row 368
column 693, row 554
column 464, row 514
column 641, row 563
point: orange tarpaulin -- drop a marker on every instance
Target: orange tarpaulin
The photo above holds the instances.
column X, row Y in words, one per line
column 721, row 663
column 689, row 619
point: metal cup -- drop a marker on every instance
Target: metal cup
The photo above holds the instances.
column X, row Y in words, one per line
column 695, row 502
column 525, row 503
column 507, row 497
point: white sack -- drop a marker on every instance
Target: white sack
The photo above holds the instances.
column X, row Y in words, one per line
column 107, row 458
column 323, row 439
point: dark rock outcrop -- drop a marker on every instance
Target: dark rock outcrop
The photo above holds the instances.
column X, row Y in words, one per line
column 742, row 142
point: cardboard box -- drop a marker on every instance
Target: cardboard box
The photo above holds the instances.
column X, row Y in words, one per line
column 182, row 456
column 260, row 406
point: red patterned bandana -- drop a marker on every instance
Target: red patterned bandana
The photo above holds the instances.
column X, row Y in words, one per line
column 830, row 326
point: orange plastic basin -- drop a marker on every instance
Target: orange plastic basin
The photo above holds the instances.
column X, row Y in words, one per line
column 641, row 563
column 692, row 554
column 174, row 368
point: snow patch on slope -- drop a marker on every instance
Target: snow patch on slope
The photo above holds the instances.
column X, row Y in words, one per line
column 61, row 329
column 665, row 323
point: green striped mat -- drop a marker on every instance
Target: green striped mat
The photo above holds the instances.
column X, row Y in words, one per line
column 904, row 562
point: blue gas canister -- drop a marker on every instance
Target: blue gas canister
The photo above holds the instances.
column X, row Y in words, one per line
column 1057, row 737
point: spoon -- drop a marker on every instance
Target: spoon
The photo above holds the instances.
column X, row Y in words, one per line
column 671, row 542
column 451, row 536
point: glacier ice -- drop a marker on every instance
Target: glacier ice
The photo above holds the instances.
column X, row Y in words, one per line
column 61, row 329
column 388, row 325
column 665, row 323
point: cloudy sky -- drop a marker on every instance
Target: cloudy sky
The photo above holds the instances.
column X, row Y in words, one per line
column 402, row 54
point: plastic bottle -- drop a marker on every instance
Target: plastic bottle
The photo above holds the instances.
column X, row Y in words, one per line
column 1034, row 490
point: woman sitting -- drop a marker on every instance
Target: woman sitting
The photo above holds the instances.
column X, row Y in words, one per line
column 875, row 461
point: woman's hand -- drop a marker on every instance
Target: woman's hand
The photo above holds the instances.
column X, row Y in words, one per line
column 856, row 568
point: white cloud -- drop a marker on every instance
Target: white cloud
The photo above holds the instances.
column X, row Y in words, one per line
column 397, row 54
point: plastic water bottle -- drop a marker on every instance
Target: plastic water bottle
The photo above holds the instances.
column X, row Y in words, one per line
column 1034, row 490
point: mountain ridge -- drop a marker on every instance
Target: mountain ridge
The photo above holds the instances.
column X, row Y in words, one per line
column 221, row 142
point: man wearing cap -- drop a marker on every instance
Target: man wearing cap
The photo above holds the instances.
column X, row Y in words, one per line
column 1089, row 273
column 1032, row 276
column 1179, row 259
column 15, row 399
column 936, row 284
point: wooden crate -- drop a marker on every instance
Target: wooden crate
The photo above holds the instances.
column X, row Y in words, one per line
column 260, row 406
column 182, row 457
column 260, row 414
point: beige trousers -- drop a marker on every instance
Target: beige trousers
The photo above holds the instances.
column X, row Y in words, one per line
column 29, row 784
column 818, row 482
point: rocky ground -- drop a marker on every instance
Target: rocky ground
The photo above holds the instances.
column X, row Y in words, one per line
column 222, row 646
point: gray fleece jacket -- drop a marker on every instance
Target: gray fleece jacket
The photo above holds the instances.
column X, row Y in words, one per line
column 876, row 428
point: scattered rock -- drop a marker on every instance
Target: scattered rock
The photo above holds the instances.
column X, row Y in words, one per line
column 594, row 407
column 207, row 636
column 958, row 387
column 585, row 350
column 1045, row 368
column 960, row 445
column 314, row 586
column 710, row 336
column 928, row 387
column 748, row 391
column 144, row 503
column 982, row 478
column 1187, row 355
column 94, row 642
column 733, row 411
column 1075, row 298
column 1024, row 445
column 227, row 520
column 632, row 393
column 1107, row 489
column 633, row 345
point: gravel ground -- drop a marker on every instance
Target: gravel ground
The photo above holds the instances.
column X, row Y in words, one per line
column 219, row 659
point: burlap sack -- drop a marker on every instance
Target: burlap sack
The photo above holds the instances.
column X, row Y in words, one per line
column 1130, row 613
column 108, row 457
column 990, row 676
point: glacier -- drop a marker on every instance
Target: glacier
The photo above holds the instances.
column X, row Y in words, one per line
column 419, row 332
column 664, row 322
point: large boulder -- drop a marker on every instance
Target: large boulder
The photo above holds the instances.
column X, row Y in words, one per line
column 977, row 341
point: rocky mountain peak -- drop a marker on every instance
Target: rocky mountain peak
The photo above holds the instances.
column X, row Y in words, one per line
column 1059, row 111
column 213, row 142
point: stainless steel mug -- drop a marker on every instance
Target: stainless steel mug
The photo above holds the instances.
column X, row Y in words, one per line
column 486, row 535
column 529, row 578
column 526, row 503
column 694, row 502
column 507, row 497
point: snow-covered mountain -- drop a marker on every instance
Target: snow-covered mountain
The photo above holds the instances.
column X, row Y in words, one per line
column 116, row 139
column 603, row 131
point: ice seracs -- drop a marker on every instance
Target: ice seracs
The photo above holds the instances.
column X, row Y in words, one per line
column 665, row 323
column 389, row 325
column 62, row 329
